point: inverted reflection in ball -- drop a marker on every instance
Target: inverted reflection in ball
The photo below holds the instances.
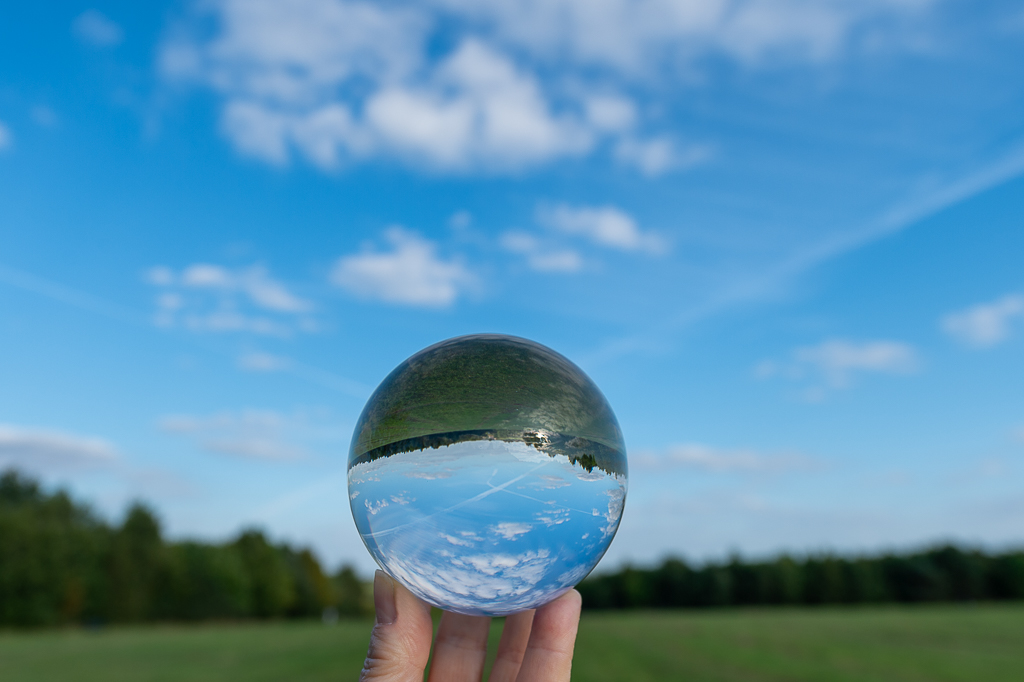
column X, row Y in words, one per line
column 487, row 473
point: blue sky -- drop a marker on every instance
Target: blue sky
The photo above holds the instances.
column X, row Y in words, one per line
column 784, row 237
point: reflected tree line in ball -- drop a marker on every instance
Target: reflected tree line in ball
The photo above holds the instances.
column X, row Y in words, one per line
column 60, row 563
column 588, row 454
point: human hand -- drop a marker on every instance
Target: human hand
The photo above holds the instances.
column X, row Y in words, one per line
column 536, row 646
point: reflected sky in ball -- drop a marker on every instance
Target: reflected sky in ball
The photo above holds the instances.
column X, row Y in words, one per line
column 485, row 527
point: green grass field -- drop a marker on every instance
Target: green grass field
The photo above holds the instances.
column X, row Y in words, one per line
column 969, row 643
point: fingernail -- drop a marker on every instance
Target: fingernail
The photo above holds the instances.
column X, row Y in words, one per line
column 384, row 598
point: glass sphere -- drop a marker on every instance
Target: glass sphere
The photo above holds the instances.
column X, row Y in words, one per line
column 487, row 474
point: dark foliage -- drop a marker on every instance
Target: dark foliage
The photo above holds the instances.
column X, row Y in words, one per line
column 61, row 564
column 941, row 574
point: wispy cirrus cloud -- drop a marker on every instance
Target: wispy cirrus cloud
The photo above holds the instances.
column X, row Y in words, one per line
column 254, row 282
column 838, row 360
column 540, row 256
column 259, row 361
column 266, row 435
column 262, row 362
column 44, row 116
column 6, row 138
column 1018, row 435
column 94, row 28
column 658, row 155
column 695, row 456
column 638, row 38
column 986, row 324
column 211, row 298
column 52, row 451
column 833, row 364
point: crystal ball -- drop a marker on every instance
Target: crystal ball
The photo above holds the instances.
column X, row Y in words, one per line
column 487, row 474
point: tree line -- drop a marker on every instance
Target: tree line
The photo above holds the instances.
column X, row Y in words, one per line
column 945, row 573
column 60, row 563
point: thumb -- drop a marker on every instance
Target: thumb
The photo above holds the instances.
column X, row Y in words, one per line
column 400, row 641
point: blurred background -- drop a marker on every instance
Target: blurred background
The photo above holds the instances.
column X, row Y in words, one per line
column 783, row 236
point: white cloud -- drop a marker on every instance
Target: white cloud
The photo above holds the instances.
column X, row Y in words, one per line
column 211, row 298
column 832, row 364
column 253, row 448
column 209, row 276
column 227, row 321
column 460, row 220
column 604, row 225
column 256, row 131
column 475, row 110
column 44, row 116
column 511, row 531
column 6, row 138
column 263, row 362
column 539, row 256
column 254, row 282
column 295, row 51
column 718, row 460
column 613, row 515
column 554, row 518
column 170, row 302
column 95, row 29
column 658, row 155
column 986, row 324
column 837, row 360
column 411, row 273
column 341, row 81
column 251, row 434
column 462, row 581
column 612, row 113
column 160, row 275
column 460, row 542
column 495, row 115
column 323, row 135
column 634, row 36
column 45, row 450
column 281, row 67
column 258, row 361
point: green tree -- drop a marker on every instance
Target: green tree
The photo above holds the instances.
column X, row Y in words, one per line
column 783, row 581
column 823, row 580
column 673, row 584
column 137, row 556
column 50, row 553
column 312, row 589
column 203, row 581
column 271, row 583
column 350, row 594
column 1006, row 576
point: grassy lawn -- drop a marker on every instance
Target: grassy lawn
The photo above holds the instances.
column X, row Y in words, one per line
column 863, row 645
